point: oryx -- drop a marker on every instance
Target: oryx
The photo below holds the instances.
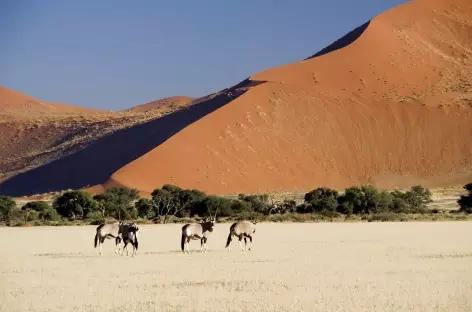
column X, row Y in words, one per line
column 108, row 231
column 129, row 233
column 241, row 229
column 201, row 231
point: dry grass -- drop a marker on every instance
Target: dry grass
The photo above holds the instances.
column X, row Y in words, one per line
column 293, row 267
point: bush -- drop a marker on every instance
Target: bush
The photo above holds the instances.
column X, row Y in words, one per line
column 7, row 206
column 96, row 216
column 145, row 208
column 322, row 199
column 417, row 198
column 172, row 200
column 44, row 210
column 259, row 203
column 465, row 202
column 399, row 204
column 38, row 206
column 50, row 214
column 74, row 204
column 117, row 202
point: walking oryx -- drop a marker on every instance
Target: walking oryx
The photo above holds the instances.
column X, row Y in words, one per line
column 129, row 234
column 108, row 231
column 241, row 229
column 196, row 231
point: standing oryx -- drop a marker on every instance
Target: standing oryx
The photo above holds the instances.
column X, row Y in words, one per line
column 129, row 234
column 107, row 231
column 196, row 231
column 241, row 229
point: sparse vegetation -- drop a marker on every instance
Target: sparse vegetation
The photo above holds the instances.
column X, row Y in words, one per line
column 171, row 204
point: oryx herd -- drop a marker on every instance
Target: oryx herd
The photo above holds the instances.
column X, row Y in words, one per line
column 128, row 233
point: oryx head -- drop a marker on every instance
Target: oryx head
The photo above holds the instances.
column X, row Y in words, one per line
column 211, row 219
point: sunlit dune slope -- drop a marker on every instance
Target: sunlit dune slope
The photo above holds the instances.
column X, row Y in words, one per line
column 393, row 107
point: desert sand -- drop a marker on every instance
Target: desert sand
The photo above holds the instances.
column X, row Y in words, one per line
column 292, row 267
column 392, row 108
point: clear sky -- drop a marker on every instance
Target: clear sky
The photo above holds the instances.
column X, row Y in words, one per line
column 117, row 54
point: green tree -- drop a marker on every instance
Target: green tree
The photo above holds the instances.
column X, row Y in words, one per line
column 259, row 202
column 322, row 199
column 145, row 208
column 417, row 198
column 44, row 210
column 117, row 202
column 7, row 206
column 365, row 199
column 74, row 204
column 216, row 205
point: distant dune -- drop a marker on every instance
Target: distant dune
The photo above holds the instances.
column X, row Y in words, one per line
column 166, row 103
column 14, row 102
column 42, row 144
column 390, row 103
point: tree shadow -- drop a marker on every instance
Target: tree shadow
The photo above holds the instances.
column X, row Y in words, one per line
column 342, row 42
column 98, row 161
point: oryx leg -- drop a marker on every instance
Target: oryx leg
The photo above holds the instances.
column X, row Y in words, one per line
column 102, row 240
column 205, row 239
column 245, row 243
column 118, row 245
column 201, row 244
column 134, row 250
column 250, row 240
column 240, row 239
column 187, row 244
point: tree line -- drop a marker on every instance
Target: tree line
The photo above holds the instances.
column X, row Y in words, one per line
column 170, row 202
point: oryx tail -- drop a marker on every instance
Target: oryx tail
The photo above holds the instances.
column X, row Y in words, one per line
column 95, row 242
column 184, row 237
column 231, row 229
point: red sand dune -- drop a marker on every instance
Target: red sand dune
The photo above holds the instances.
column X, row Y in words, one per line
column 392, row 108
column 166, row 103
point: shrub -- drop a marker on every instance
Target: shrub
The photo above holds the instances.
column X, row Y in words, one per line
column 50, row 214
column 44, row 210
column 287, row 206
column 322, row 199
column 74, row 204
column 7, row 206
column 117, row 202
column 417, row 198
column 399, row 204
column 259, row 203
column 145, row 208
column 465, row 202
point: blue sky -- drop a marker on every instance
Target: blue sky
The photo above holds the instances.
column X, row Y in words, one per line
column 118, row 54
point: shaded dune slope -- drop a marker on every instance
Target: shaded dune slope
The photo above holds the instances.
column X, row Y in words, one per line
column 392, row 108
column 94, row 164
